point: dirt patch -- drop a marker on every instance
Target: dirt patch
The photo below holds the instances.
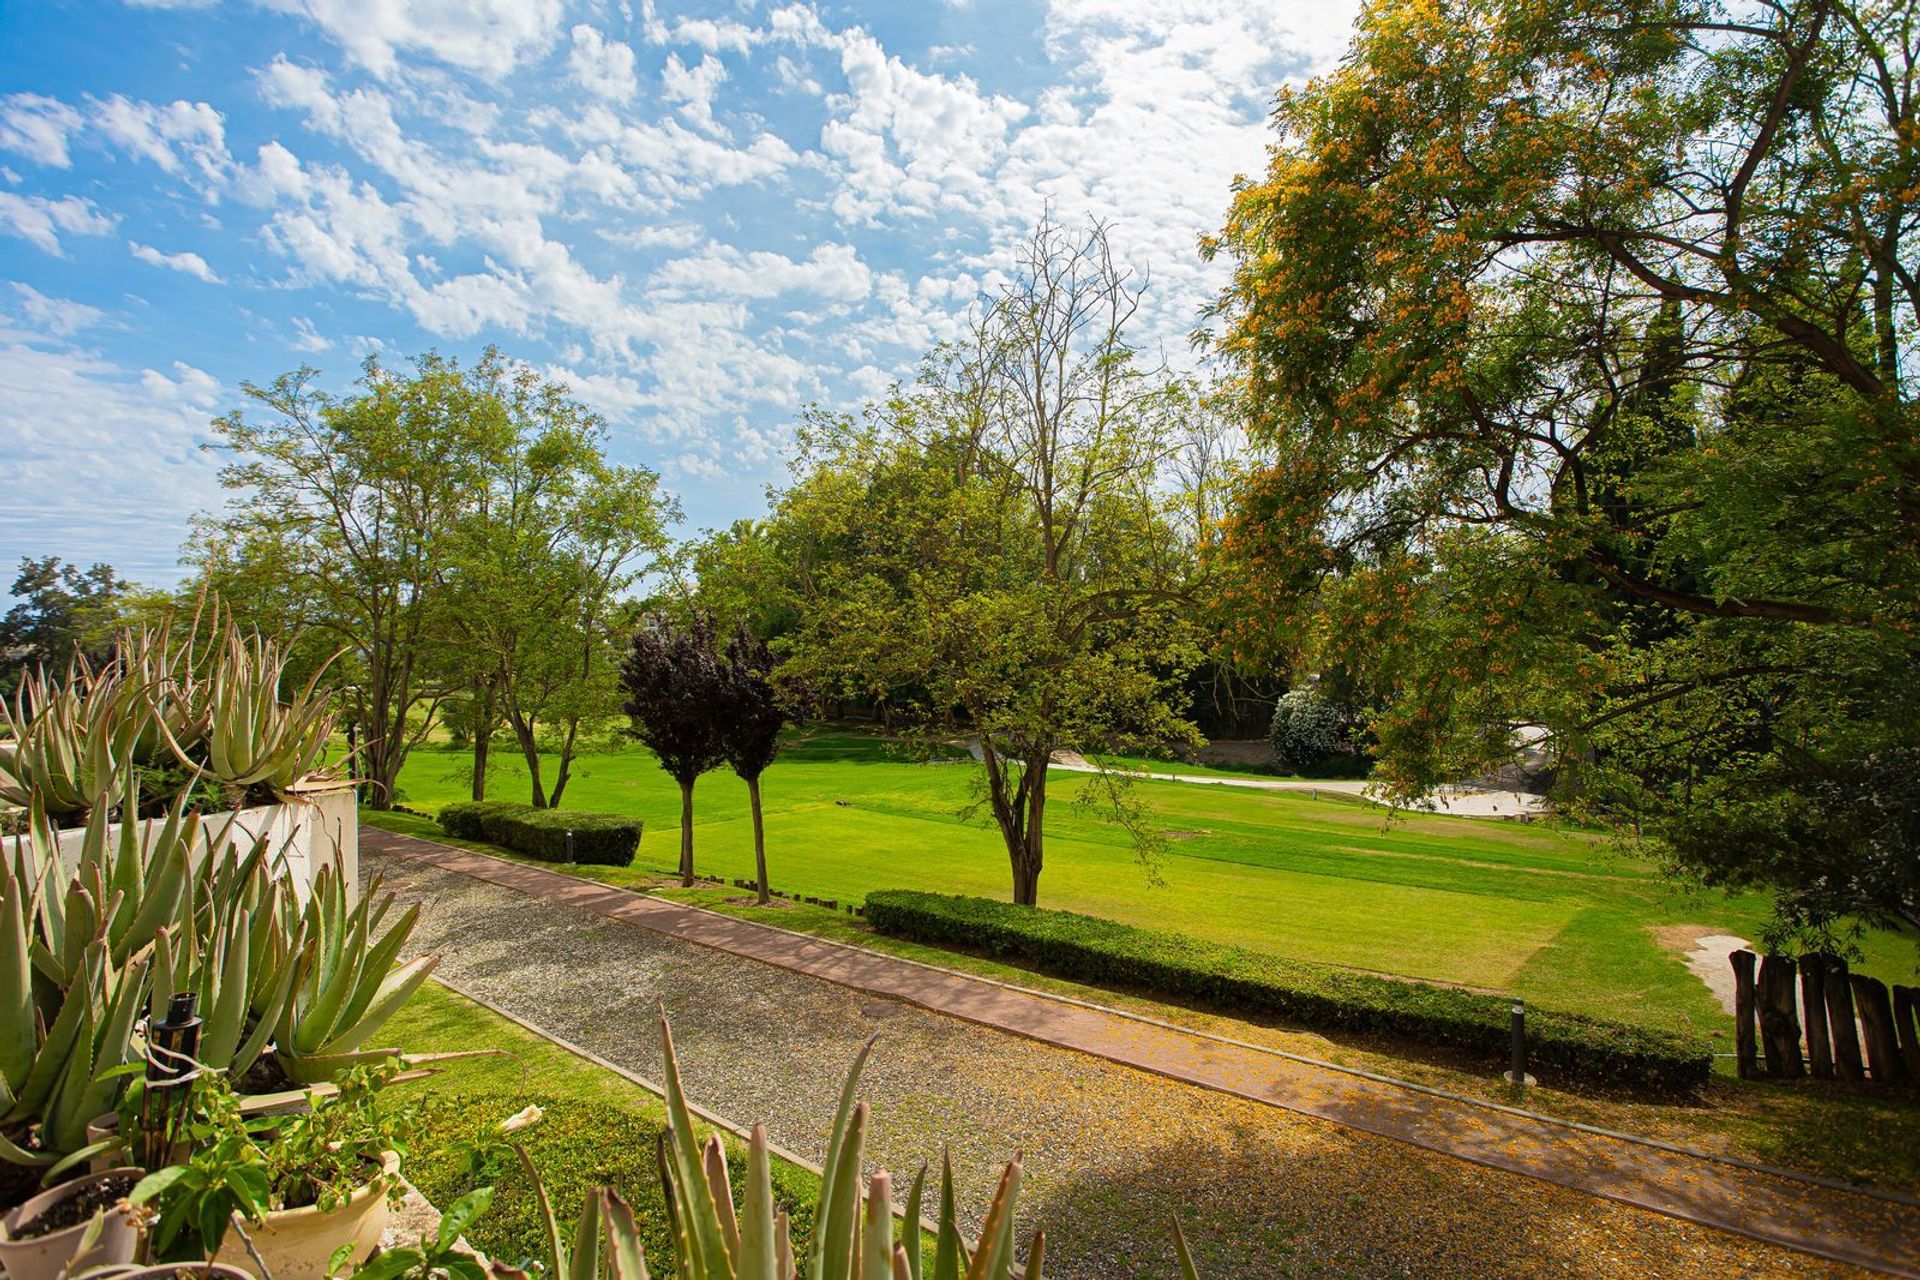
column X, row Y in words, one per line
column 1184, row 835
column 1237, row 753
column 1705, row 952
column 754, row 901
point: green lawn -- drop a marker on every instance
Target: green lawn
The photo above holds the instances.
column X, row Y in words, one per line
column 599, row 1129
column 1553, row 915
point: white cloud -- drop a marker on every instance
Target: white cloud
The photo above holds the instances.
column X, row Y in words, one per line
column 487, row 37
column 693, row 89
column 60, row 317
column 910, row 142
column 832, row 272
column 109, row 455
column 603, row 67
column 38, row 127
column 186, row 262
column 170, row 135
column 41, row 220
column 307, row 338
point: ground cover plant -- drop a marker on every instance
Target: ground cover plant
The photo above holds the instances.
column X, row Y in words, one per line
column 1555, row 915
column 596, row 1129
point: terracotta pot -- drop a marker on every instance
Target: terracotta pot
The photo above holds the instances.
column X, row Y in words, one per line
column 301, row 1242
column 49, row 1256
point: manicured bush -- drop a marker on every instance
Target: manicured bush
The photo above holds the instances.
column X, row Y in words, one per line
column 1560, row 1046
column 608, row 839
column 1310, row 731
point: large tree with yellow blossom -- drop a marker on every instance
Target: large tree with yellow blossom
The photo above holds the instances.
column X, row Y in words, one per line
column 1579, row 335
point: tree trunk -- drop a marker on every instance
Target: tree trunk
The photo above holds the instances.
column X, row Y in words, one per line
column 530, row 752
column 565, row 771
column 482, row 742
column 759, row 840
column 1030, row 856
column 1813, row 1001
column 686, row 833
column 1841, row 1023
column 1743, row 1014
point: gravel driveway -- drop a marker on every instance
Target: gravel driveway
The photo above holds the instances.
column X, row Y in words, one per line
column 1111, row 1153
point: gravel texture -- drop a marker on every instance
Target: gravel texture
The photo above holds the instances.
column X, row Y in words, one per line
column 1111, row 1154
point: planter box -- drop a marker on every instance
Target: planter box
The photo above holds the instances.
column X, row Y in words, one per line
column 321, row 825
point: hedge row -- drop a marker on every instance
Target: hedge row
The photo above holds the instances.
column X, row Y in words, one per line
column 609, row 839
column 1560, row 1046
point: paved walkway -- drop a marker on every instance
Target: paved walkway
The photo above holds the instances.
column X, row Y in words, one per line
column 1456, row 801
column 1825, row 1222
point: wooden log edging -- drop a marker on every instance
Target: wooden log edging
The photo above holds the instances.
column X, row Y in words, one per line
column 1780, row 1017
column 1813, row 1003
column 1743, row 1013
column 1876, row 1018
column 1841, row 1023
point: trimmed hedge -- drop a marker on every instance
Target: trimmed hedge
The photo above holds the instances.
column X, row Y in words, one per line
column 607, row 839
column 1560, row 1046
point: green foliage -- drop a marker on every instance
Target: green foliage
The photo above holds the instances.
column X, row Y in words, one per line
column 60, row 612
column 1579, row 342
column 319, row 1156
column 1311, row 732
column 1101, row 952
column 993, row 553
column 609, row 839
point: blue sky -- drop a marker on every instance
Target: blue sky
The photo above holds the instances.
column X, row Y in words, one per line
column 701, row 217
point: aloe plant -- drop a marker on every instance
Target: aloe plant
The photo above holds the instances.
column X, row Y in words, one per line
column 67, row 742
column 855, row 1232
column 348, row 981
column 252, row 737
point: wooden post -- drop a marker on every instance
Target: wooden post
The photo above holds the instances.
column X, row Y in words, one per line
column 1903, row 1024
column 1813, row 1013
column 1876, row 1017
column 1840, row 1021
column 1779, row 1020
column 1743, row 1012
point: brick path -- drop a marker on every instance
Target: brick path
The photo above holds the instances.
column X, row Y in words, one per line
column 1823, row 1221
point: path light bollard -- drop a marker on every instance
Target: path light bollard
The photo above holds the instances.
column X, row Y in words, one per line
column 173, row 1043
column 1518, row 1074
column 569, row 846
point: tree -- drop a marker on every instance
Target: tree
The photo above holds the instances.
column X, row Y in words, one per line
column 344, row 526
column 990, row 551
column 60, row 611
column 675, row 691
column 1580, row 338
column 752, row 714
column 538, row 565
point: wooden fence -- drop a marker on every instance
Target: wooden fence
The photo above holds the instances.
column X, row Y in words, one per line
column 1835, row 1013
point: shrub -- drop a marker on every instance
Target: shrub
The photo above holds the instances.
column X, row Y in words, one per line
column 1310, row 731
column 607, row 839
column 1560, row 1046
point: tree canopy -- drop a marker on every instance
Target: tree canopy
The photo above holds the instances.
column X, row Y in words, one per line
column 993, row 552
column 1579, row 338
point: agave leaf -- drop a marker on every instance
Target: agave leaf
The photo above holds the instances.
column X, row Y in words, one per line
column 836, row 1231
column 17, row 1027
column 756, row 1257
column 876, row 1245
column 698, row 1214
column 628, row 1261
column 720, row 1187
column 842, row 1118
column 910, row 1225
column 1036, row 1256
column 950, row 1251
column 394, row 991
column 993, row 1256
column 1187, row 1270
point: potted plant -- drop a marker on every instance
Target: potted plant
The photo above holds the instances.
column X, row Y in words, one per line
column 285, row 1195
column 80, row 1224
